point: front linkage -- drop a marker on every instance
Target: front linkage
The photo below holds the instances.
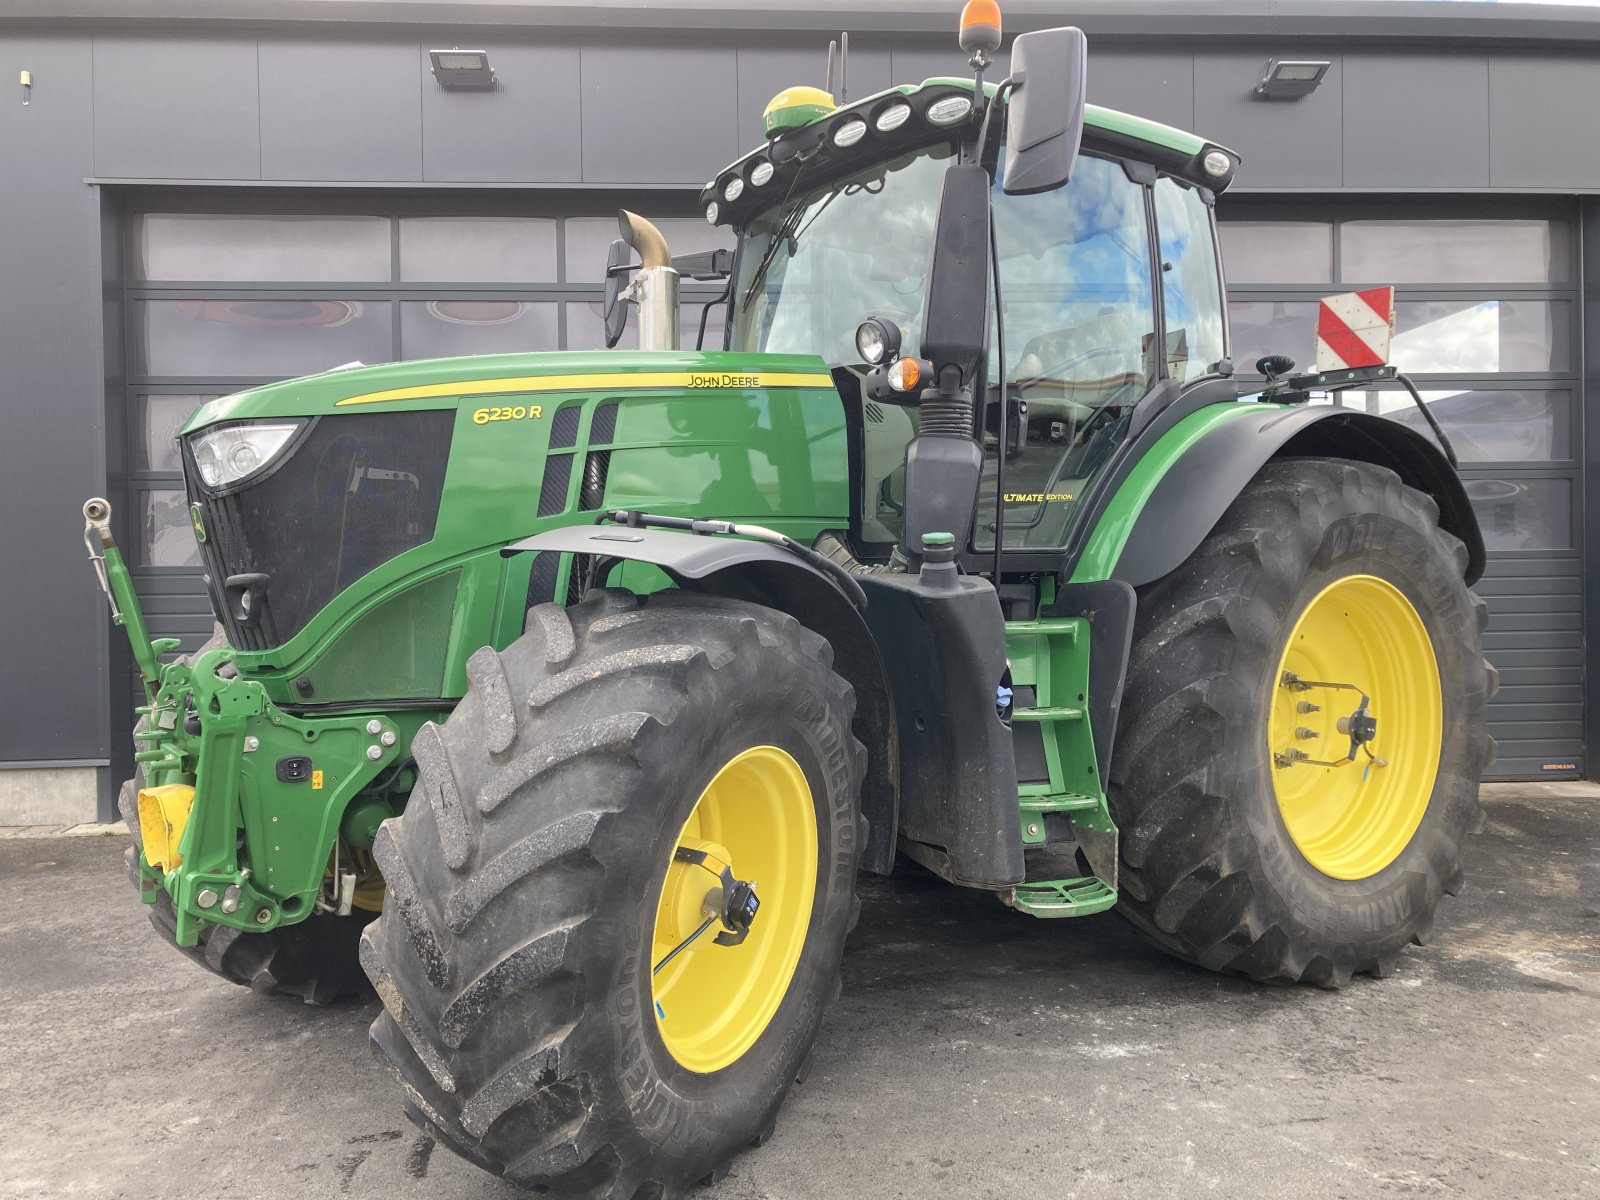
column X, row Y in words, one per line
column 246, row 812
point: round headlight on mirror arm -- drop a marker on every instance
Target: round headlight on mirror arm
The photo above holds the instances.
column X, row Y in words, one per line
column 878, row 341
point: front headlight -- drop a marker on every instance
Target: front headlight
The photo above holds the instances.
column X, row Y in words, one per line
column 230, row 454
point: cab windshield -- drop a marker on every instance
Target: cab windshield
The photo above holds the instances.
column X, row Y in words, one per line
column 1077, row 271
column 810, row 272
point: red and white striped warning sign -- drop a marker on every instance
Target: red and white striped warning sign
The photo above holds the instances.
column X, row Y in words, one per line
column 1354, row 329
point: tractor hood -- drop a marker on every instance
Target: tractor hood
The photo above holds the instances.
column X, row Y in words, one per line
column 366, row 503
column 445, row 382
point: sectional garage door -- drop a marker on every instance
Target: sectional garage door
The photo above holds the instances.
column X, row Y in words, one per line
column 1487, row 312
column 242, row 291
column 223, row 293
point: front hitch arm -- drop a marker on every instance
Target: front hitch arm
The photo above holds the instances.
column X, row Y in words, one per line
column 117, row 584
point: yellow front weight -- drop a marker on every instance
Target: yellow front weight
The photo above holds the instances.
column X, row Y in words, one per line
column 163, row 813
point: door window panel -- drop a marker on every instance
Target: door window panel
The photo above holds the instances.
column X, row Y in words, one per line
column 1482, row 337
column 270, row 336
column 1262, row 327
column 588, row 240
column 1277, row 251
column 447, row 328
column 166, row 533
column 586, row 328
column 1523, row 514
column 158, row 420
column 227, row 249
column 1469, row 336
column 1445, row 252
column 1483, row 425
column 477, row 249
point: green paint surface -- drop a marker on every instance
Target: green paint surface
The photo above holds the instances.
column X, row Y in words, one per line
column 1115, row 526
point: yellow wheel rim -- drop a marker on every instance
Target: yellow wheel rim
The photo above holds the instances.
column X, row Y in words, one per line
column 713, row 1001
column 1352, row 820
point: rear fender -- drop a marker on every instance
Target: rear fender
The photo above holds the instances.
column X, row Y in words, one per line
column 1200, row 485
column 767, row 575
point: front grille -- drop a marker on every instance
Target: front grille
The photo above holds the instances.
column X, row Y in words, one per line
column 355, row 491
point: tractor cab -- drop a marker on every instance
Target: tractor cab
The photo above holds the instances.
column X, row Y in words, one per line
column 1079, row 299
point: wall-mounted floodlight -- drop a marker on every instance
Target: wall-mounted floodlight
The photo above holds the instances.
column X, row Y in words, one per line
column 462, row 69
column 1286, row 79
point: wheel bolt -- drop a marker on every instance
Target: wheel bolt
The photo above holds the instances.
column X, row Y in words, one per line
column 374, row 726
column 1305, row 734
column 263, row 916
column 1305, row 706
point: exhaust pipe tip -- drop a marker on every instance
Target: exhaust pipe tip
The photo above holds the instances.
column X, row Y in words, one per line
column 644, row 237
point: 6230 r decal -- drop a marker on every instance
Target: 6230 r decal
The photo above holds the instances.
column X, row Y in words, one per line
column 518, row 412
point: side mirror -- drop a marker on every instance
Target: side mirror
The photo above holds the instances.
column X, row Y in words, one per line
column 616, row 311
column 1044, row 118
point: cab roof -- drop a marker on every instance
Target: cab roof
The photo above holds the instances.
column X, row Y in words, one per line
column 808, row 147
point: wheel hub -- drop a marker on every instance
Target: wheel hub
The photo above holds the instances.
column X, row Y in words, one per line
column 1359, row 637
column 722, row 956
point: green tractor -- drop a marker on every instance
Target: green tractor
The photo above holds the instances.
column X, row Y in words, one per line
column 599, row 677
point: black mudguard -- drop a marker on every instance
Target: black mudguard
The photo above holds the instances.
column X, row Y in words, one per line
column 1193, row 495
column 945, row 651
column 774, row 577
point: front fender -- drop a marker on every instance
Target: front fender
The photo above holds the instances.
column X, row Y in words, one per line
column 1207, row 473
column 768, row 575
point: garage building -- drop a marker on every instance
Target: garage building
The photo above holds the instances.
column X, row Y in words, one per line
column 200, row 198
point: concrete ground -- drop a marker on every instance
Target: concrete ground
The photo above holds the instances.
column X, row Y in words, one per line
column 975, row 1053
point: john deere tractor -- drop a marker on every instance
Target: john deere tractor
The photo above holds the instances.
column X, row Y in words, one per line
column 602, row 675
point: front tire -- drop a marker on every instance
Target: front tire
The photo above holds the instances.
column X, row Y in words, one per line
column 534, row 886
column 1239, row 852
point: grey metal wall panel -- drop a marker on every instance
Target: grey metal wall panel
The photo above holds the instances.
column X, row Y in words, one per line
column 526, row 130
column 932, row 59
column 341, row 110
column 1416, row 120
column 663, row 114
column 1156, row 84
column 1542, row 127
column 1283, row 143
column 766, row 70
column 175, row 108
column 52, row 403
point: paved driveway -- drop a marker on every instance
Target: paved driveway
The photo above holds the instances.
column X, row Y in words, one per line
column 975, row 1053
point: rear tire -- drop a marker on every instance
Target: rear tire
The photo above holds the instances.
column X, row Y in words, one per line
column 1210, row 869
column 316, row 959
column 515, row 957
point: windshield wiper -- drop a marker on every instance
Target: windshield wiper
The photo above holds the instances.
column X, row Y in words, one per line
column 785, row 233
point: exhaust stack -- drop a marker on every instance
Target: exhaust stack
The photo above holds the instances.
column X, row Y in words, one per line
column 655, row 287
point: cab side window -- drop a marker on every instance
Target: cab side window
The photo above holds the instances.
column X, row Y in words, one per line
column 1191, row 288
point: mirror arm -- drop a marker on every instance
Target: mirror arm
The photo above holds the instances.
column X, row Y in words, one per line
column 1001, row 93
